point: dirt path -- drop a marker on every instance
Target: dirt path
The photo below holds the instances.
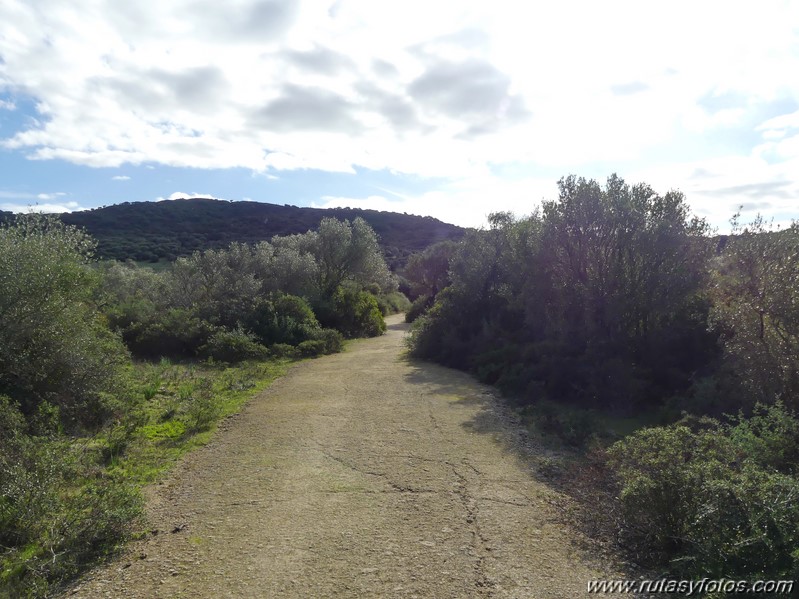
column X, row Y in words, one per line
column 356, row 475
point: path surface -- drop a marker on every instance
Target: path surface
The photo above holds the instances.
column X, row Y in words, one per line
column 355, row 475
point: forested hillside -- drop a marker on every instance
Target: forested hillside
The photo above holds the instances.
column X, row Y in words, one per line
column 612, row 303
column 149, row 231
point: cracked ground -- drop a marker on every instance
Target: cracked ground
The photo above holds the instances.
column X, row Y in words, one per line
column 361, row 474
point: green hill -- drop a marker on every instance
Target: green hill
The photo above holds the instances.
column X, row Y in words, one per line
column 150, row 231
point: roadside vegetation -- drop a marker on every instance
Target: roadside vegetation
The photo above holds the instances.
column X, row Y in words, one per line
column 109, row 372
column 620, row 327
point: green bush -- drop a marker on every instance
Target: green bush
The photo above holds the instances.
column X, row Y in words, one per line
column 710, row 501
column 283, row 350
column 355, row 313
column 233, row 346
column 418, row 308
column 332, row 339
column 151, row 333
column 392, row 303
column 54, row 345
column 311, row 348
column 283, row 319
column 55, row 514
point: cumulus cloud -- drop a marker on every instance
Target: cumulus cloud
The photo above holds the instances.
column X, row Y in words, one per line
column 431, row 89
column 120, row 178
column 37, row 207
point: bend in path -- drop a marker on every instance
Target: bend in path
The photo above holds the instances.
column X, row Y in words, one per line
column 356, row 475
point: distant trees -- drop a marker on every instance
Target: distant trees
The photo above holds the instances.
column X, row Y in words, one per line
column 427, row 273
column 284, row 293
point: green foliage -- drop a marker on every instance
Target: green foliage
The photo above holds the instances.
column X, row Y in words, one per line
column 392, row 303
column 708, row 500
column 354, row 313
column 427, row 272
column 233, row 346
column 418, row 308
column 285, row 319
column 596, row 300
column 332, row 340
column 152, row 333
column 348, row 252
column 152, row 230
column 575, row 427
column 754, row 291
column 54, row 346
column 56, row 515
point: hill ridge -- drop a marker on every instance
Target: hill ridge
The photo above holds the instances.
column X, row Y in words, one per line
column 149, row 231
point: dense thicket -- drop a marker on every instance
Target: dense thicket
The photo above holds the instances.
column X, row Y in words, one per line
column 614, row 300
column 149, row 231
column 597, row 299
column 298, row 289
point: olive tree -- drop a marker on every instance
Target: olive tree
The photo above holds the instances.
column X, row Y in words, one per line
column 55, row 348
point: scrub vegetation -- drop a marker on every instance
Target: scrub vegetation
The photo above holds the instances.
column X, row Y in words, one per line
column 619, row 326
column 109, row 372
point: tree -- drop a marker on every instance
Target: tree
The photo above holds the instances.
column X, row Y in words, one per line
column 55, row 348
column 755, row 290
column 348, row 251
column 428, row 271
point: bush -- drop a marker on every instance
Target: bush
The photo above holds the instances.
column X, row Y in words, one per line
column 233, row 346
column 418, row 308
column 152, row 333
column 355, row 313
column 710, row 501
column 53, row 517
column 333, row 340
column 283, row 350
column 54, row 345
column 392, row 303
column 311, row 348
column 284, row 319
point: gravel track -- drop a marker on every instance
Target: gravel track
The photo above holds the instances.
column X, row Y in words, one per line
column 360, row 474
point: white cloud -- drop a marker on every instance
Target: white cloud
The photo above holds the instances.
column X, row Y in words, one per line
column 180, row 195
column 50, row 196
column 120, row 178
column 466, row 203
column 7, row 105
column 432, row 89
column 37, row 207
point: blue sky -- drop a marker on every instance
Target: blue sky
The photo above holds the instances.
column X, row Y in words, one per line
column 453, row 110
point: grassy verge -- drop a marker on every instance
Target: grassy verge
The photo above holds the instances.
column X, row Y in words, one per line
column 68, row 503
column 181, row 406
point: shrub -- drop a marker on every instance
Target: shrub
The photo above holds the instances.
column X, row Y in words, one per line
column 54, row 346
column 283, row 350
column 201, row 408
column 709, row 501
column 332, row 339
column 150, row 333
column 233, row 346
column 355, row 313
column 53, row 519
column 284, row 319
column 311, row 348
column 392, row 303
column 418, row 308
